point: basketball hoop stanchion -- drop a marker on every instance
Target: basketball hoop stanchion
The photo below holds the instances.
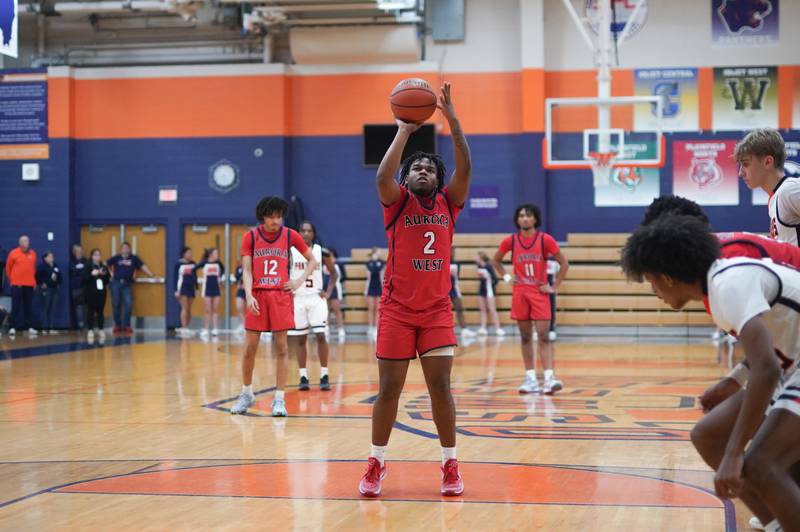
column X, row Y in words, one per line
column 602, row 164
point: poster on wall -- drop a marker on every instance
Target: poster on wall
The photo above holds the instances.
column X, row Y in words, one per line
column 705, row 171
column 744, row 23
column 23, row 114
column 629, row 187
column 484, row 201
column 678, row 87
column 791, row 168
column 9, row 27
column 796, row 113
column 745, row 98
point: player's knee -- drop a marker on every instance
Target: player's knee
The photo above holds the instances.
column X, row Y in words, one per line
column 390, row 389
column 526, row 337
column 702, row 440
column 760, row 469
column 439, row 389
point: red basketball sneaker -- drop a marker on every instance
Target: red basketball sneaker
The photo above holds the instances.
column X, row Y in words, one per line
column 451, row 479
column 370, row 485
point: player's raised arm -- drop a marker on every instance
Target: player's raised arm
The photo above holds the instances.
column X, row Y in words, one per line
column 458, row 188
column 388, row 189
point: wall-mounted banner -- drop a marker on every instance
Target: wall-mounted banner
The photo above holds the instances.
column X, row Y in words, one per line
column 23, row 114
column 791, row 168
column 704, row 171
column 484, row 201
column 9, row 27
column 796, row 113
column 629, row 187
column 678, row 87
column 745, row 98
column 744, row 23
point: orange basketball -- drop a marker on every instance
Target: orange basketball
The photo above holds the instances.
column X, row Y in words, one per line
column 413, row 100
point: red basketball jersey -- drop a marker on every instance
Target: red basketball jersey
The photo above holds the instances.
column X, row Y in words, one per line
column 529, row 256
column 758, row 247
column 418, row 266
column 271, row 255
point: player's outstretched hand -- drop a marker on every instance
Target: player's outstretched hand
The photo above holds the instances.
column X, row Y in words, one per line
column 252, row 306
column 445, row 103
column 717, row 393
column 408, row 127
column 728, row 480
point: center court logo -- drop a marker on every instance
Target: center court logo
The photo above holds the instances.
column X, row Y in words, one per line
column 597, row 408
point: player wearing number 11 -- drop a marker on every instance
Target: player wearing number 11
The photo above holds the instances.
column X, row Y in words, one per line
column 266, row 259
column 416, row 319
column 530, row 302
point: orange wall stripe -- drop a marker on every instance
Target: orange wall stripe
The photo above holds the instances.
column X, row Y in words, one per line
column 786, row 86
column 572, row 84
column 705, row 96
column 59, row 107
column 178, row 107
column 342, row 104
column 533, row 91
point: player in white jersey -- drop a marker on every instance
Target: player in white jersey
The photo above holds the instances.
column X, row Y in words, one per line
column 311, row 307
column 761, row 156
column 758, row 301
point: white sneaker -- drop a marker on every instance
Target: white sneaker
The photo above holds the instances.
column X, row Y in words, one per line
column 755, row 523
column 279, row 408
column 500, row 332
column 33, row 332
column 204, row 333
column 552, row 336
column 45, row 331
column 53, row 331
column 12, row 331
column 552, row 386
column 101, row 336
column 214, row 332
column 531, row 385
column 482, row 331
column 468, row 333
column 90, row 336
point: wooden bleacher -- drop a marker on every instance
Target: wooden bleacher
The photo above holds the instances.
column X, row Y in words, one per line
column 594, row 293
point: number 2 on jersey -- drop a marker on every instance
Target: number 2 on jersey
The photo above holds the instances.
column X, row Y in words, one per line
column 270, row 267
column 428, row 249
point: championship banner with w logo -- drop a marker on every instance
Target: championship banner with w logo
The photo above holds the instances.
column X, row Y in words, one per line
column 745, row 98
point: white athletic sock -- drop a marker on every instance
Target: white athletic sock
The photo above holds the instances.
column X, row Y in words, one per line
column 772, row 526
column 531, row 374
column 247, row 389
column 549, row 374
column 279, row 394
column 448, row 453
column 304, row 372
column 323, row 371
column 379, row 452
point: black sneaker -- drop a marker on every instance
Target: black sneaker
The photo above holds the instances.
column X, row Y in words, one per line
column 303, row 386
column 324, row 385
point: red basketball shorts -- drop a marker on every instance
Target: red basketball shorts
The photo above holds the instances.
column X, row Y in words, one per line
column 530, row 305
column 276, row 312
column 404, row 333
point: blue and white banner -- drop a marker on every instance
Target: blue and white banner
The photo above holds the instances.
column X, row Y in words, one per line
column 484, row 201
column 678, row 87
column 9, row 27
column 744, row 23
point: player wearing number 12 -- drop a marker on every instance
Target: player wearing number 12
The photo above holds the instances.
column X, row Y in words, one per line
column 266, row 259
column 530, row 300
column 416, row 318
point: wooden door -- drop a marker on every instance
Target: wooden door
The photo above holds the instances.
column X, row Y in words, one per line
column 149, row 243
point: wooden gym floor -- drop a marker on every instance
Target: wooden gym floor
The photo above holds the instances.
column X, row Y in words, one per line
column 136, row 436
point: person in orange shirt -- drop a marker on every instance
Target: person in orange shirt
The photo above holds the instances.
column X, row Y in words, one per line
column 21, row 272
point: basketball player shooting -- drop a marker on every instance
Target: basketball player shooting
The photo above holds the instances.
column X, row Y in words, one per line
column 416, row 318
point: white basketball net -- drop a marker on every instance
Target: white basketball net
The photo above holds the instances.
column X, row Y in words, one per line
column 602, row 165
